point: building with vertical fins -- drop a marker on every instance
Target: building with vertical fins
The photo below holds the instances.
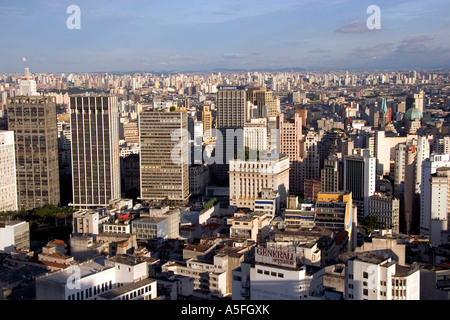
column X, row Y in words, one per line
column 95, row 150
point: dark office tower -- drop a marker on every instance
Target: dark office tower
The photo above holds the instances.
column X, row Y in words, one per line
column 94, row 123
column 33, row 120
column 164, row 158
column 230, row 120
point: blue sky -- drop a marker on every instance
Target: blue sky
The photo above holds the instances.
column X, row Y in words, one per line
column 204, row 35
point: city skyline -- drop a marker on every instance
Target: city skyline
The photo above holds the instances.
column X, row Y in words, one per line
column 204, row 36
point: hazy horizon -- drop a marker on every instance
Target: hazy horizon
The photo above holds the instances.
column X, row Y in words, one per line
column 203, row 36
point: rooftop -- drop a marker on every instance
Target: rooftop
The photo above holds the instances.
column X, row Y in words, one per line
column 111, row 294
column 86, row 269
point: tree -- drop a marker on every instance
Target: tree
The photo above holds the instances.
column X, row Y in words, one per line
column 370, row 223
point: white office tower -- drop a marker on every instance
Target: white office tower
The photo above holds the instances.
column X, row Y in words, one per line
column 8, row 182
column 423, row 153
column 429, row 168
column 372, row 277
column 94, row 122
column 255, row 135
column 27, row 85
column 360, row 179
column 440, row 205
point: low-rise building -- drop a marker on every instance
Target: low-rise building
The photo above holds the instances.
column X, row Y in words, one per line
column 14, row 235
column 373, row 277
column 90, row 279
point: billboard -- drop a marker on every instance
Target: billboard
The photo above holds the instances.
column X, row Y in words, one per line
column 282, row 256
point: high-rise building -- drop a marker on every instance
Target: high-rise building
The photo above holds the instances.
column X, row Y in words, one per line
column 255, row 135
column 249, row 178
column 331, row 174
column 95, row 150
column 290, row 134
column 336, row 211
column 429, row 168
column 440, row 205
column 33, row 120
column 164, row 156
column 27, row 84
column 8, row 185
column 230, row 120
column 206, row 117
column 311, row 158
column 386, row 209
column 359, row 179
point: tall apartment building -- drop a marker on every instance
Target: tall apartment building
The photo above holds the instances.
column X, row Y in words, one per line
column 267, row 105
column 360, row 178
column 331, row 174
column 33, row 120
column 440, row 204
column 290, row 133
column 94, row 124
column 231, row 106
column 336, row 211
column 164, row 158
column 372, row 277
column 429, row 167
column 311, row 158
column 255, row 135
column 207, row 120
column 249, row 178
column 410, row 214
column 386, row 209
column 8, row 184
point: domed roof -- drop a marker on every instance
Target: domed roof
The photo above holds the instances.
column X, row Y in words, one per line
column 413, row 114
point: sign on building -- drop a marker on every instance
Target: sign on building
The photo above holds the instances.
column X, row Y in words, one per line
column 283, row 256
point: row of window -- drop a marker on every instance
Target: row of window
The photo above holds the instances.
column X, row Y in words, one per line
column 270, row 273
column 90, row 292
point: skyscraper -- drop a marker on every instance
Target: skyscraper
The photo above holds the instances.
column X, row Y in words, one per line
column 291, row 145
column 164, row 157
column 429, row 168
column 95, row 150
column 8, row 185
column 33, row 120
column 440, row 205
column 359, row 179
column 230, row 119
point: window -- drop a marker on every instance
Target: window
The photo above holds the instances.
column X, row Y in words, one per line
column 350, row 286
column 365, row 292
column 280, row 275
column 365, row 283
column 266, row 272
column 365, row 275
column 350, row 276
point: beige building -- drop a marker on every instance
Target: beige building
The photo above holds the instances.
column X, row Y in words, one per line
column 33, row 120
column 248, row 178
column 249, row 226
column 164, row 157
column 8, row 185
column 291, row 145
